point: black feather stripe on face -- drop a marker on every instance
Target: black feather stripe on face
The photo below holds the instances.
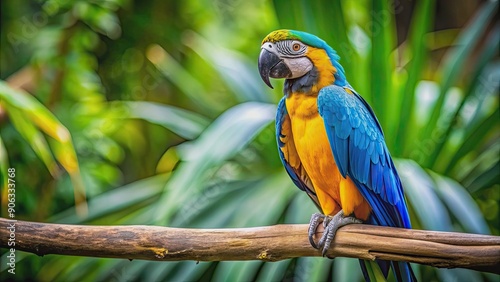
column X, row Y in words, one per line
column 285, row 48
column 302, row 84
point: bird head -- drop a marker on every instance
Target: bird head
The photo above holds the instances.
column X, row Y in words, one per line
column 294, row 54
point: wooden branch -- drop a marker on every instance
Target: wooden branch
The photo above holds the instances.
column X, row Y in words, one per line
column 271, row 243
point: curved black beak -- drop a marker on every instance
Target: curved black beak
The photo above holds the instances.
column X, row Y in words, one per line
column 270, row 65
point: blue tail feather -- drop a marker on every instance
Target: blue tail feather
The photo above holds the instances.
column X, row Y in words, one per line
column 385, row 214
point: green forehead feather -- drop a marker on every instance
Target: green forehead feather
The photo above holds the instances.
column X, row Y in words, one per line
column 277, row 35
column 286, row 34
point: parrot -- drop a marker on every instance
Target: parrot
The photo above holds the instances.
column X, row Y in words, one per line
column 331, row 143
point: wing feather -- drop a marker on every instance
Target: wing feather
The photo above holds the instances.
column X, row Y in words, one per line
column 360, row 152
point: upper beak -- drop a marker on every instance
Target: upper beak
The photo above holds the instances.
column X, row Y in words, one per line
column 270, row 65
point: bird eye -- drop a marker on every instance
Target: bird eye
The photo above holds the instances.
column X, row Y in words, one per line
column 296, row 47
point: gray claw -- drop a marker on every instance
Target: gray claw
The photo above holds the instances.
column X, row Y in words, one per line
column 316, row 218
column 334, row 223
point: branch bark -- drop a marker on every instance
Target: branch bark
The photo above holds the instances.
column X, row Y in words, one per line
column 270, row 243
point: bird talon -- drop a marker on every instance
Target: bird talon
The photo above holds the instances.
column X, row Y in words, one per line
column 334, row 223
column 327, row 220
column 313, row 225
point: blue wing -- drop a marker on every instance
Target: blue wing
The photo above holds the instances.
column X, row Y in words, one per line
column 360, row 152
column 292, row 164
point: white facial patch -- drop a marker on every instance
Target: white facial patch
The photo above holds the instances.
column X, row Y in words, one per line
column 271, row 47
column 298, row 66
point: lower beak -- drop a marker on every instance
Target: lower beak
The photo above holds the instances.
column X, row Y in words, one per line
column 270, row 65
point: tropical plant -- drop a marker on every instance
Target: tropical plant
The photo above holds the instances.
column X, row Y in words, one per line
column 173, row 126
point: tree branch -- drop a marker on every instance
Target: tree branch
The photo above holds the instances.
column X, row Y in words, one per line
column 271, row 243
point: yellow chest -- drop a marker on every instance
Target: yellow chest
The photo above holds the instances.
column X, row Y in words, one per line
column 314, row 153
column 311, row 143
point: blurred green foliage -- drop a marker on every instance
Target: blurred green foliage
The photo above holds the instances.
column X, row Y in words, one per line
column 156, row 110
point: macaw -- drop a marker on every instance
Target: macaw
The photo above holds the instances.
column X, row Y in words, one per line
column 331, row 143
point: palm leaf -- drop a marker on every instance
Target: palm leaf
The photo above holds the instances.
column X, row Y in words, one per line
column 417, row 47
column 63, row 149
column 208, row 150
column 454, row 63
column 182, row 122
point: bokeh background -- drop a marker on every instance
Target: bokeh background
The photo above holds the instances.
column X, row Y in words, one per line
column 153, row 112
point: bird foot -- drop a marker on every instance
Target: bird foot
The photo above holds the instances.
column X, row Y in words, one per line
column 331, row 225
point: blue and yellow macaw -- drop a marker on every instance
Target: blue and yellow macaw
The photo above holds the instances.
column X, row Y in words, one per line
column 331, row 143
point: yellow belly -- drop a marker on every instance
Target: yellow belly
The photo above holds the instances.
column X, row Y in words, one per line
column 313, row 149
